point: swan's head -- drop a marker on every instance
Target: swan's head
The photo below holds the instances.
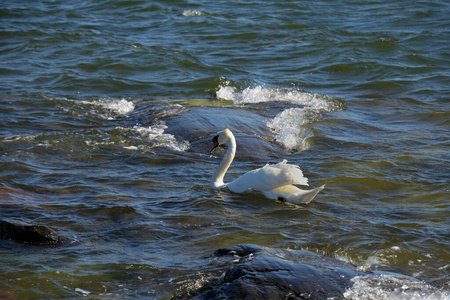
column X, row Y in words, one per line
column 221, row 139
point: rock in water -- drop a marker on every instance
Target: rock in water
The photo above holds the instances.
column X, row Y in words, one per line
column 30, row 234
column 264, row 273
column 255, row 141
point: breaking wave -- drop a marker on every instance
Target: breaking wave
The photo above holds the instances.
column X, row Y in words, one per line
column 192, row 13
column 292, row 126
column 385, row 286
column 112, row 106
column 261, row 94
column 156, row 136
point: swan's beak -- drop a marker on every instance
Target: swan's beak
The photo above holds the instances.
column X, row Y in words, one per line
column 216, row 143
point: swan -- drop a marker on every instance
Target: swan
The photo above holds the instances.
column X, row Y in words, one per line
column 274, row 181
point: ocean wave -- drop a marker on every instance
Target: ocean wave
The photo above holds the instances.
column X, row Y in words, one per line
column 105, row 108
column 292, row 126
column 192, row 13
column 169, row 110
column 384, row 286
column 114, row 106
column 261, row 94
column 157, row 137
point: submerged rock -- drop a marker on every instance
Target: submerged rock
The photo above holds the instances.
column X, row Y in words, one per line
column 30, row 234
column 199, row 125
column 263, row 273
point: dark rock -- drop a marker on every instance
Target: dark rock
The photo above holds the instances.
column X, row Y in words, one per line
column 263, row 273
column 198, row 124
column 253, row 138
column 30, row 234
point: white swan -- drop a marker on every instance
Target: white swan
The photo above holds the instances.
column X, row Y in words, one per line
column 274, row 181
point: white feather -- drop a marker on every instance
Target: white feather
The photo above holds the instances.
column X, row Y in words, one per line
column 274, row 181
column 268, row 178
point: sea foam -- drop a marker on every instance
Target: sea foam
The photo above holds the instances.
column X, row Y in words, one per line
column 157, row 137
column 192, row 13
column 292, row 126
column 261, row 94
column 384, row 286
column 106, row 108
column 115, row 106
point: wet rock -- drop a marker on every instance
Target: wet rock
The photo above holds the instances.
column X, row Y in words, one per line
column 30, row 234
column 263, row 273
column 199, row 125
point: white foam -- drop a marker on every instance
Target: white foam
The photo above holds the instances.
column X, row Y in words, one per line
column 116, row 106
column 170, row 110
column 385, row 286
column 17, row 138
column 157, row 137
column 290, row 128
column 260, row 94
column 226, row 93
column 83, row 292
column 192, row 13
column 130, row 148
column 106, row 108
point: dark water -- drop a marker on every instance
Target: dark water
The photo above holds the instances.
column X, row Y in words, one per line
column 107, row 109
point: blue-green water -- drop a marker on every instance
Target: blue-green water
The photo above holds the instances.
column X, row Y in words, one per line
column 107, row 110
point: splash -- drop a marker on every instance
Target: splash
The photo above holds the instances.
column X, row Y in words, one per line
column 384, row 286
column 291, row 127
column 114, row 106
column 157, row 137
column 261, row 94
column 105, row 108
column 192, row 13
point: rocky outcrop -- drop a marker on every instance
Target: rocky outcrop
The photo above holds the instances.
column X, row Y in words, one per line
column 204, row 123
column 199, row 124
column 30, row 234
column 263, row 273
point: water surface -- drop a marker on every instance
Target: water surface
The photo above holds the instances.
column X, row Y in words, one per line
column 108, row 109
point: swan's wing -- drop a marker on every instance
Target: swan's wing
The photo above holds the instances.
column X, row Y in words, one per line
column 292, row 173
column 268, row 178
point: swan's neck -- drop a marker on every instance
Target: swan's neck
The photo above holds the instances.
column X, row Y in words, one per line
column 217, row 179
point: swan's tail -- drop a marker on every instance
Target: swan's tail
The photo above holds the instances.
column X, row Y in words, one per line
column 293, row 194
column 304, row 197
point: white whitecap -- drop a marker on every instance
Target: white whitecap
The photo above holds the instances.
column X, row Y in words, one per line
column 192, row 13
column 157, row 138
column 261, row 94
column 291, row 127
column 130, row 148
column 170, row 110
column 106, row 108
column 117, row 106
column 227, row 93
column 386, row 286
column 84, row 292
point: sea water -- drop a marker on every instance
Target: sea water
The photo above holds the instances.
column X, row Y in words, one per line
column 108, row 108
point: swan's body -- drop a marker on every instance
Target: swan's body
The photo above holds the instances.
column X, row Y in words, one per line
column 274, row 181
